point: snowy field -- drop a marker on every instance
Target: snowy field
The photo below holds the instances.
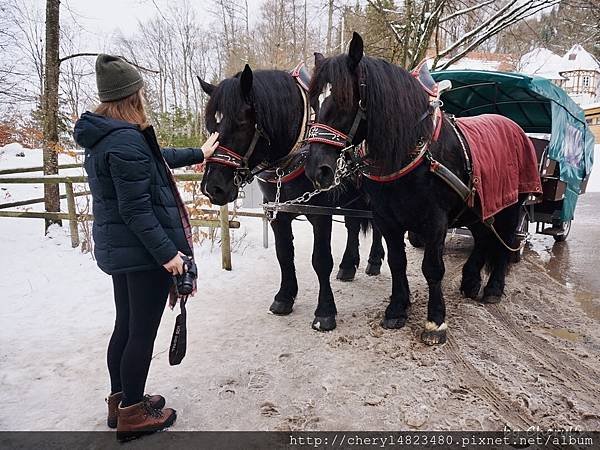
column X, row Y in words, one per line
column 531, row 360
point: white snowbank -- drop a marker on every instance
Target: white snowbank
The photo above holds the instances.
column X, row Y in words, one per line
column 594, row 182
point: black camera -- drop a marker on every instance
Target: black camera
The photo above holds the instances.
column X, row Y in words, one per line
column 185, row 282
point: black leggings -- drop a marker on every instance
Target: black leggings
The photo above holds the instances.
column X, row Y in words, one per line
column 140, row 298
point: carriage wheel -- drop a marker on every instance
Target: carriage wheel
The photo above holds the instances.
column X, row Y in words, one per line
column 566, row 229
column 521, row 234
column 415, row 240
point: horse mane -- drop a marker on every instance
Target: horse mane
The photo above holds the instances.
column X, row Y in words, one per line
column 395, row 102
column 274, row 94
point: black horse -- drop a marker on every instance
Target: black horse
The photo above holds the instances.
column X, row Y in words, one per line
column 260, row 116
column 385, row 106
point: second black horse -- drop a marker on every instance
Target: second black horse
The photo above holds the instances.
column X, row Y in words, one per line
column 260, row 117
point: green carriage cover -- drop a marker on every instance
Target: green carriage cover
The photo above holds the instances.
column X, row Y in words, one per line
column 538, row 106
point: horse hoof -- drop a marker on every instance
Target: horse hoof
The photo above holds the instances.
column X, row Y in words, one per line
column 346, row 274
column 280, row 308
column 393, row 324
column 434, row 335
column 326, row 323
column 373, row 269
column 491, row 299
column 471, row 292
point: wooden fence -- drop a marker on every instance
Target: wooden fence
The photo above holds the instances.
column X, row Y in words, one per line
column 221, row 221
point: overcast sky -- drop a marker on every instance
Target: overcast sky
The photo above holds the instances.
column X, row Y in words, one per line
column 101, row 19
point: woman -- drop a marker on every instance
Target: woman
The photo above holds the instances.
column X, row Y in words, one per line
column 141, row 230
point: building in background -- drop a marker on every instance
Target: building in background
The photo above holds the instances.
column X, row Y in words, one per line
column 497, row 62
column 592, row 117
column 577, row 72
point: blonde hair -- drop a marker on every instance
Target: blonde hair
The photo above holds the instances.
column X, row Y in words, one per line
column 129, row 109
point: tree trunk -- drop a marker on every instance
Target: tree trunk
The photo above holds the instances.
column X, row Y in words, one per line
column 50, row 107
column 328, row 44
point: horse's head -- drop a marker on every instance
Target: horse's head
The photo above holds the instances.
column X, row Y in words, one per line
column 230, row 112
column 364, row 99
column 336, row 96
column 258, row 116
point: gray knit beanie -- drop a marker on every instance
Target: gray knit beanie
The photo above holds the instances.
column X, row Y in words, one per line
column 116, row 79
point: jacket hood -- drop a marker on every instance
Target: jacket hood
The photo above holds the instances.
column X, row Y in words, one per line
column 91, row 128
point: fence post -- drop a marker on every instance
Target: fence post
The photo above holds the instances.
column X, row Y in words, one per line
column 225, row 237
column 72, row 215
column 265, row 233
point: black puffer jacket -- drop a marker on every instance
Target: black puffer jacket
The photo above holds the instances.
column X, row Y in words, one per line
column 137, row 225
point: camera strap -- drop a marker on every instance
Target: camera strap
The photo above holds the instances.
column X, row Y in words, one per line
column 179, row 338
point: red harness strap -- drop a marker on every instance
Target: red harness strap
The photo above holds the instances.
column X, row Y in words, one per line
column 226, row 157
column 421, row 74
column 290, row 176
column 325, row 134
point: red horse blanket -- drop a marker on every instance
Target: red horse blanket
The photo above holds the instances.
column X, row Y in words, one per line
column 504, row 161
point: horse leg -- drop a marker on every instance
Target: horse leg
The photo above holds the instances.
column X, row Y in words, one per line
column 471, row 271
column 433, row 270
column 351, row 257
column 376, row 254
column 322, row 262
column 396, row 312
column 505, row 223
column 284, row 248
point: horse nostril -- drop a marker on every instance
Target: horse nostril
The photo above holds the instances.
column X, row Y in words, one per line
column 324, row 176
column 216, row 191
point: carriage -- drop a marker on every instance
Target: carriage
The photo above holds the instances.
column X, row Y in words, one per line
column 555, row 124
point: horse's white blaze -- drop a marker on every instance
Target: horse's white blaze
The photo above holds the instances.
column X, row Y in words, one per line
column 326, row 93
column 218, row 116
column 431, row 326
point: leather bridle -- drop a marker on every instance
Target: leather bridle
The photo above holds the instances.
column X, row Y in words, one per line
column 325, row 134
column 240, row 164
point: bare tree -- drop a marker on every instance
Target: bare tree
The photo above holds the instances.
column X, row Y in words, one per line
column 419, row 22
column 21, row 52
column 50, row 106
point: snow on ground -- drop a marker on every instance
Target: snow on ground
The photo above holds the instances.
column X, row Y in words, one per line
column 594, row 182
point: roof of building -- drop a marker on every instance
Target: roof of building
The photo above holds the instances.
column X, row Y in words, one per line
column 591, row 106
column 484, row 61
column 541, row 62
column 577, row 58
column 544, row 63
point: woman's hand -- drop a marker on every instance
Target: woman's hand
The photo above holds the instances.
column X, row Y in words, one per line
column 175, row 266
column 210, row 145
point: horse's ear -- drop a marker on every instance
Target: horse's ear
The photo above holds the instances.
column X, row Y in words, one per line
column 318, row 58
column 355, row 50
column 206, row 86
column 246, row 82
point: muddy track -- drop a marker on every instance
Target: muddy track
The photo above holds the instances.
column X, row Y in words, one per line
column 510, row 412
column 538, row 352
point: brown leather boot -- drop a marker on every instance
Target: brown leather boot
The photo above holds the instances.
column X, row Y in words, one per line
column 141, row 418
column 157, row 401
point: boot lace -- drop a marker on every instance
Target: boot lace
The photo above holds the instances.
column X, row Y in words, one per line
column 151, row 411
